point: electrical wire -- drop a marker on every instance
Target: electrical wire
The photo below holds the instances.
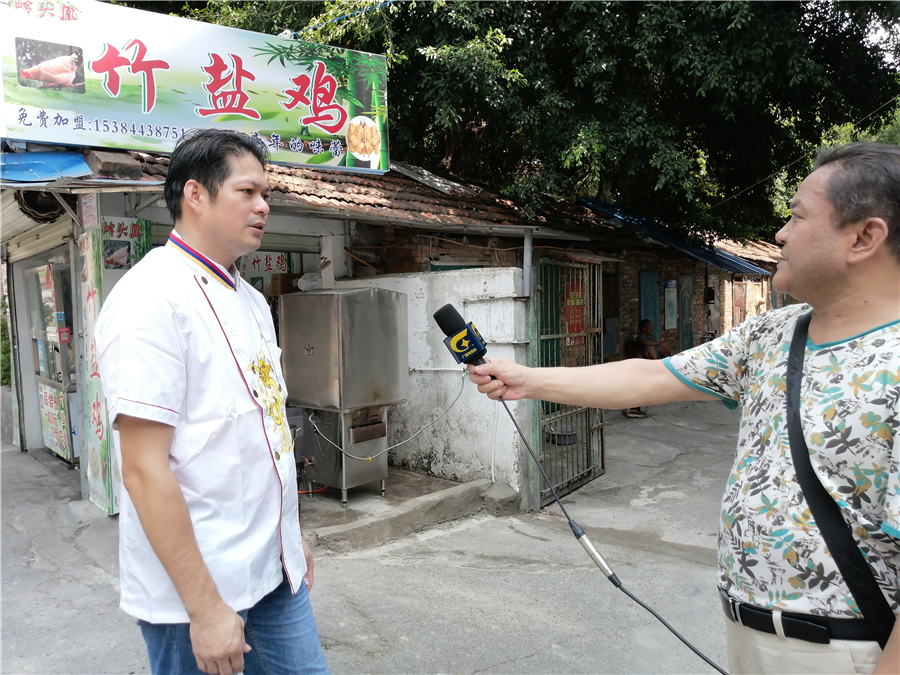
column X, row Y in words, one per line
column 775, row 173
column 369, row 459
column 494, row 443
column 582, row 538
column 357, row 258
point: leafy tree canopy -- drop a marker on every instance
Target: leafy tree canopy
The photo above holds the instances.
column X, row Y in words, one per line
column 690, row 112
column 848, row 133
column 836, row 136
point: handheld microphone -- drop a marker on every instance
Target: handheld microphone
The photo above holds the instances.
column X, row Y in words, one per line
column 463, row 339
column 467, row 346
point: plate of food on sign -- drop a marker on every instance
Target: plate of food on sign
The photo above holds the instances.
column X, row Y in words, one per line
column 363, row 138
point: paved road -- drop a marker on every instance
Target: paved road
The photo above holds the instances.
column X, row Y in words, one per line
column 515, row 594
column 519, row 595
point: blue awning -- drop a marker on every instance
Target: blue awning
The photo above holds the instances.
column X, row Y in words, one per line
column 651, row 228
column 42, row 166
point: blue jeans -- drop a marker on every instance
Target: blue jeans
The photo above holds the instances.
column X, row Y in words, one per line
column 280, row 628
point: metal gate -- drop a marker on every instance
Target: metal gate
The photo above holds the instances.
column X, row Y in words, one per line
column 570, row 318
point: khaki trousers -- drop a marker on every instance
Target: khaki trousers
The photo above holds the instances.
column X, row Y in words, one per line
column 753, row 652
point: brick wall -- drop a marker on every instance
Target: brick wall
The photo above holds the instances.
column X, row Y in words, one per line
column 726, row 303
column 757, row 296
column 669, row 270
column 389, row 250
column 629, row 302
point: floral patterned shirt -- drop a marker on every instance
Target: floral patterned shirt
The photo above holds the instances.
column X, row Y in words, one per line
column 770, row 552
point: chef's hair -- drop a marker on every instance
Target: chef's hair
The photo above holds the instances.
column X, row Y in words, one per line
column 202, row 155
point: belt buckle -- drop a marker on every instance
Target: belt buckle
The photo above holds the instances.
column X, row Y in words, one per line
column 734, row 612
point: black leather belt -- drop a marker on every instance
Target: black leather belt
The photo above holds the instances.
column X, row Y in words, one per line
column 819, row 629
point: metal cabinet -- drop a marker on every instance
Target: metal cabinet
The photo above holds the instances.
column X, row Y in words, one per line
column 345, row 360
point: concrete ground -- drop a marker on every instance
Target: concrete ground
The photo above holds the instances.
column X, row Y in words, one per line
column 483, row 594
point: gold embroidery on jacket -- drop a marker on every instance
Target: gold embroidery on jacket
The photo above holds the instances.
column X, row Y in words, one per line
column 272, row 400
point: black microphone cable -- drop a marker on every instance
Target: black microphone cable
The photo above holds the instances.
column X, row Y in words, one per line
column 468, row 347
column 582, row 538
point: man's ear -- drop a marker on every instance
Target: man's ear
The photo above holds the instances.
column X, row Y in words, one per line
column 870, row 236
column 193, row 197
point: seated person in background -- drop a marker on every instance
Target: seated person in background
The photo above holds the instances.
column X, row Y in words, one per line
column 647, row 348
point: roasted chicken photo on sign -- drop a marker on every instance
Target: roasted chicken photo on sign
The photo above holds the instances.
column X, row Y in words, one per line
column 61, row 70
column 363, row 138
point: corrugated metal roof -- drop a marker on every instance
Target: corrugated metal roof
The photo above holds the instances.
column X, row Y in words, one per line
column 42, row 166
column 654, row 230
column 39, row 238
column 13, row 222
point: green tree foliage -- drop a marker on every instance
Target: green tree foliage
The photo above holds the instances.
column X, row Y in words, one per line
column 836, row 136
column 848, row 133
column 685, row 111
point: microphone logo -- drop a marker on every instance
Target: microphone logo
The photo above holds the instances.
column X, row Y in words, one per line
column 465, row 344
column 459, row 343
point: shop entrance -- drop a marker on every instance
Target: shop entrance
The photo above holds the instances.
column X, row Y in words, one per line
column 49, row 296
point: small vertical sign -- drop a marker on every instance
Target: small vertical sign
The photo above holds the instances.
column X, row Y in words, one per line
column 671, row 305
column 258, row 267
column 90, row 212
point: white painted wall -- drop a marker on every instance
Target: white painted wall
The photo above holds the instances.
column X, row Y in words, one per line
column 476, row 433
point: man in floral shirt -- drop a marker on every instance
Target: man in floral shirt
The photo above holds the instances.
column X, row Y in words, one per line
column 841, row 258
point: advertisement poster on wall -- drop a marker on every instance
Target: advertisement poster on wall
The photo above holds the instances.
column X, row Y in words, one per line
column 671, row 305
column 125, row 241
column 55, row 419
column 94, row 74
column 96, row 443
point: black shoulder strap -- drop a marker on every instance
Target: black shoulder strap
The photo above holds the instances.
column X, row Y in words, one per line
column 825, row 511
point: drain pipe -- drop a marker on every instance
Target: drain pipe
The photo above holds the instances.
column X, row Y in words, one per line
column 348, row 246
column 526, row 264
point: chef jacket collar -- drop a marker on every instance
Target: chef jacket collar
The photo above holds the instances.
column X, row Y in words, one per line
column 225, row 276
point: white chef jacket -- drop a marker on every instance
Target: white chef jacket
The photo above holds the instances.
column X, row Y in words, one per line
column 183, row 341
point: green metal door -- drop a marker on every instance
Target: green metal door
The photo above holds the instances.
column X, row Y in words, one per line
column 569, row 324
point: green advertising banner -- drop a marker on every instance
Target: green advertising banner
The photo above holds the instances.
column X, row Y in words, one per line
column 80, row 72
column 96, row 443
column 106, row 254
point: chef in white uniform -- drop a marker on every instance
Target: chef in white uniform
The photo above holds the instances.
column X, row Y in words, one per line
column 212, row 561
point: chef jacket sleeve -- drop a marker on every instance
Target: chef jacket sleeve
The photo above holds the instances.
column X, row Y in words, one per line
column 141, row 350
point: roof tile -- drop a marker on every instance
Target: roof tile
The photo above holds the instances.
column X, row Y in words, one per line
column 396, row 197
